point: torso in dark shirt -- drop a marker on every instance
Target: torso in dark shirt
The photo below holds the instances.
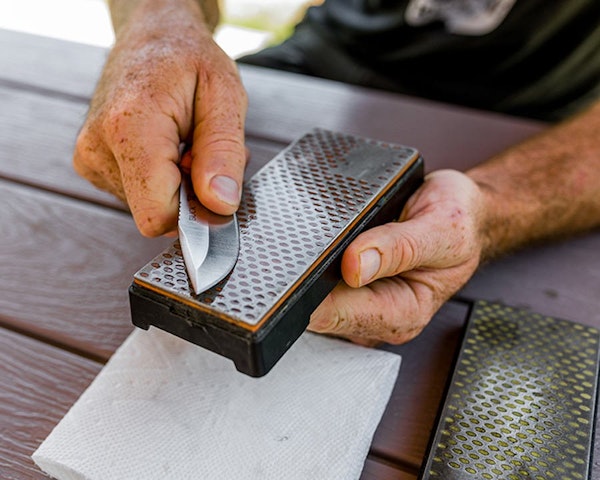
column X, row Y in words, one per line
column 536, row 58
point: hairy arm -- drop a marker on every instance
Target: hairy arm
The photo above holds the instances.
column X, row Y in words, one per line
column 544, row 188
column 398, row 275
column 121, row 11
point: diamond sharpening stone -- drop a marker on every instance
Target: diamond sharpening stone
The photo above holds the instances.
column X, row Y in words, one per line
column 297, row 215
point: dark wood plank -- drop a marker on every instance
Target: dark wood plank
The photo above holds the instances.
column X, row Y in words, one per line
column 560, row 279
column 37, row 136
column 378, row 470
column 66, row 267
column 409, row 419
column 49, row 65
column 39, row 385
column 283, row 106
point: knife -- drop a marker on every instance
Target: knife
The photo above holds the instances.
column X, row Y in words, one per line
column 210, row 243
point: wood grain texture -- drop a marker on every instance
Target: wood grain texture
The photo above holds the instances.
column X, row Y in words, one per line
column 66, row 267
column 405, row 428
column 37, row 137
column 377, row 470
column 560, row 279
column 39, row 385
column 283, row 106
column 49, row 65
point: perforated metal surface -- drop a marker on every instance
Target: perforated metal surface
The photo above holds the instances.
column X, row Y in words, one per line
column 291, row 213
column 522, row 400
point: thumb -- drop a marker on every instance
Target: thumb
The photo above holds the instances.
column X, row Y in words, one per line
column 218, row 151
column 394, row 248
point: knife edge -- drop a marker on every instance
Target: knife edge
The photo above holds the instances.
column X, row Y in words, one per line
column 209, row 242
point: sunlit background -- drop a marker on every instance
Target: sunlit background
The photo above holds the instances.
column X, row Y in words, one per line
column 247, row 25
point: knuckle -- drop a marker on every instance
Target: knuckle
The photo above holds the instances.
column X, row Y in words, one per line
column 111, row 121
column 403, row 254
column 150, row 225
column 84, row 147
column 337, row 322
column 151, row 217
column 228, row 145
column 399, row 336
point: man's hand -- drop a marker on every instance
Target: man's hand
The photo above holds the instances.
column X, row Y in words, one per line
column 165, row 82
column 398, row 275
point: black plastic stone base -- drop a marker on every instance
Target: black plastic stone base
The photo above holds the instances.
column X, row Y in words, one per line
column 256, row 348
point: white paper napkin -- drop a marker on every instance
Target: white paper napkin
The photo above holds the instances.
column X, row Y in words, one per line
column 163, row 408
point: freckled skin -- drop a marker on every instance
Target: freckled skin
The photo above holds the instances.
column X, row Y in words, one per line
column 166, row 82
column 548, row 187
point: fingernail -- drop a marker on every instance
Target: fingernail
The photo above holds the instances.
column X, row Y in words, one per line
column 226, row 188
column 370, row 262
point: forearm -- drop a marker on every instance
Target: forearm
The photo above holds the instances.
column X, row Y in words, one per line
column 547, row 187
column 122, row 10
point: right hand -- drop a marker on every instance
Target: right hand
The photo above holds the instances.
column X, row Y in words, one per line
column 165, row 82
column 397, row 275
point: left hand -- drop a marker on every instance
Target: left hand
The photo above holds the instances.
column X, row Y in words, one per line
column 165, row 82
column 396, row 276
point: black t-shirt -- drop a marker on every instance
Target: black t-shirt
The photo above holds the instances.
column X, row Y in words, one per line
column 537, row 58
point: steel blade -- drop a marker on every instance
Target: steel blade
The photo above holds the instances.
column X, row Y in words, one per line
column 209, row 242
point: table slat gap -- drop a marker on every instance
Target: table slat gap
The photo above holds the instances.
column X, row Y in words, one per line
column 43, row 92
column 11, row 326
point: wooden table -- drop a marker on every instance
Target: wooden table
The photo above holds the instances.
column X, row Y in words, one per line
column 68, row 251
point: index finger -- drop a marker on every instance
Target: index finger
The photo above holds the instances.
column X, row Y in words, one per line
column 218, row 149
column 147, row 156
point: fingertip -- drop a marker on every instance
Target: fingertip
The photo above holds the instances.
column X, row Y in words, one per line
column 152, row 226
column 186, row 162
column 361, row 264
column 226, row 190
column 323, row 318
column 156, row 218
column 221, row 194
column 369, row 261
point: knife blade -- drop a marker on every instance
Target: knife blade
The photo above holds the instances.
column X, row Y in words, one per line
column 210, row 243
